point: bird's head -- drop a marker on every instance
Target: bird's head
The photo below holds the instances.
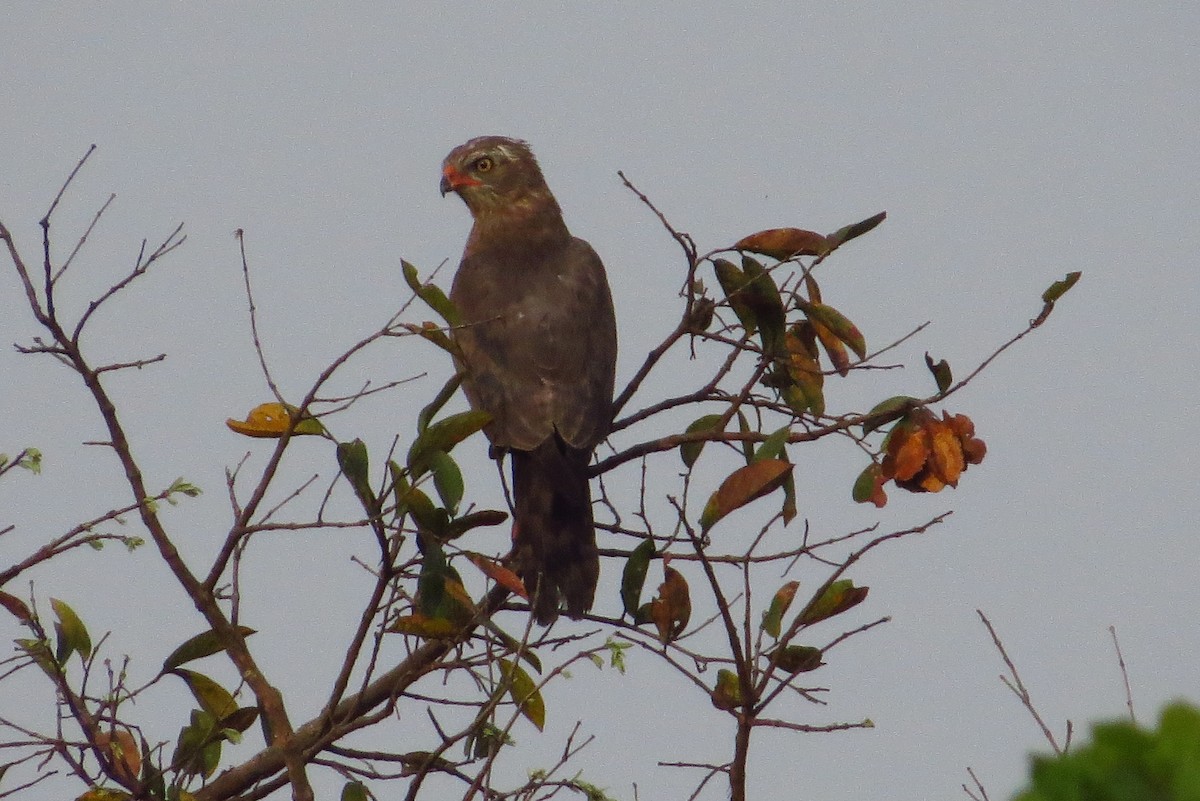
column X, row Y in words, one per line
column 497, row 177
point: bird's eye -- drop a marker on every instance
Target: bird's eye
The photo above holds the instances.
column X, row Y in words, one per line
column 483, row 164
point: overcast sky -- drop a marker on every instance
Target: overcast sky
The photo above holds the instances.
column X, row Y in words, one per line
column 1009, row 143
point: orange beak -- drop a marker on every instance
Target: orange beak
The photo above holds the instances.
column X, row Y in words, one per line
column 453, row 180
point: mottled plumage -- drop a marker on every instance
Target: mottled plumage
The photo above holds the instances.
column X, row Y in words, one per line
column 538, row 343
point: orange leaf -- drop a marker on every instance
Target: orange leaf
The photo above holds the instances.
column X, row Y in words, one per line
column 499, row 574
column 743, row 486
column 946, row 452
column 908, row 449
column 672, row 609
column 784, row 243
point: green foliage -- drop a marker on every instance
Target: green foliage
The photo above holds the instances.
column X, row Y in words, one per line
column 1125, row 762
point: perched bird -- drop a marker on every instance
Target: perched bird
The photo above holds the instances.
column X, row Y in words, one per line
column 538, row 345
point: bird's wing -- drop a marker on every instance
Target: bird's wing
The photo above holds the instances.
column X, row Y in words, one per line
column 539, row 344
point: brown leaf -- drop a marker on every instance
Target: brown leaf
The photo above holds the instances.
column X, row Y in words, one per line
column 743, row 486
column 672, row 609
column 784, row 243
column 122, row 751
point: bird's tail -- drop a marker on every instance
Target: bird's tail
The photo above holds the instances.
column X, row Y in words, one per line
column 554, row 536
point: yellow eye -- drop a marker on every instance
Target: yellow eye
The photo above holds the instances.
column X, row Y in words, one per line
column 483, row 164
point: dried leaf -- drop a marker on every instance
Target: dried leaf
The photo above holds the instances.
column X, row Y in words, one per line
column 672, row 609
column 743, row 486
column 123, row 752
column 499, row 574
column 784, row 243
column 16, row 607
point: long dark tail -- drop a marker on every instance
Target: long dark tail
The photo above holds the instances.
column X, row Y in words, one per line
column 554, row 537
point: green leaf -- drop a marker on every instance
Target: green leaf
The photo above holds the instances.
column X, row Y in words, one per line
column 798, row 658
column 72, row 634
column 434, row 406
column 633, row 577
column 773, row 617
column 524, row 693
column 838, row 324
column 353, row 460
column 747, row 445
column 484, row 517
column 1059, row 288
column 727, row 694
column 690, row 451
column 443, row 436
column 354, row 791
column 837, row 598
column 39, row 651
column 204, row 644
column 732, row 281
column 198, row 751
column 762, row 295
column 212, row 697
column 240, row 719
column 447, row 479
column 433, row 297
column 864, row 485
column 940, row 371
column 886, row 411
column 773, row 446
column 843, row 235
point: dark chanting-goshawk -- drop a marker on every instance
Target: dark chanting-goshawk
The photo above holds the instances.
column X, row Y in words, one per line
column 538, row 347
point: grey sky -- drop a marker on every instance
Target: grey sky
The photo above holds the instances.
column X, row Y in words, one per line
column 1009, row 143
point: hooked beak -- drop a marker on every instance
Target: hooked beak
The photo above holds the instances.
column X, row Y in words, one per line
column 453, row 180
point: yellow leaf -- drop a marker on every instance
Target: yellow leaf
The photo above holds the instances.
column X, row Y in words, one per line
column 272, row 420
column 524, row 693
